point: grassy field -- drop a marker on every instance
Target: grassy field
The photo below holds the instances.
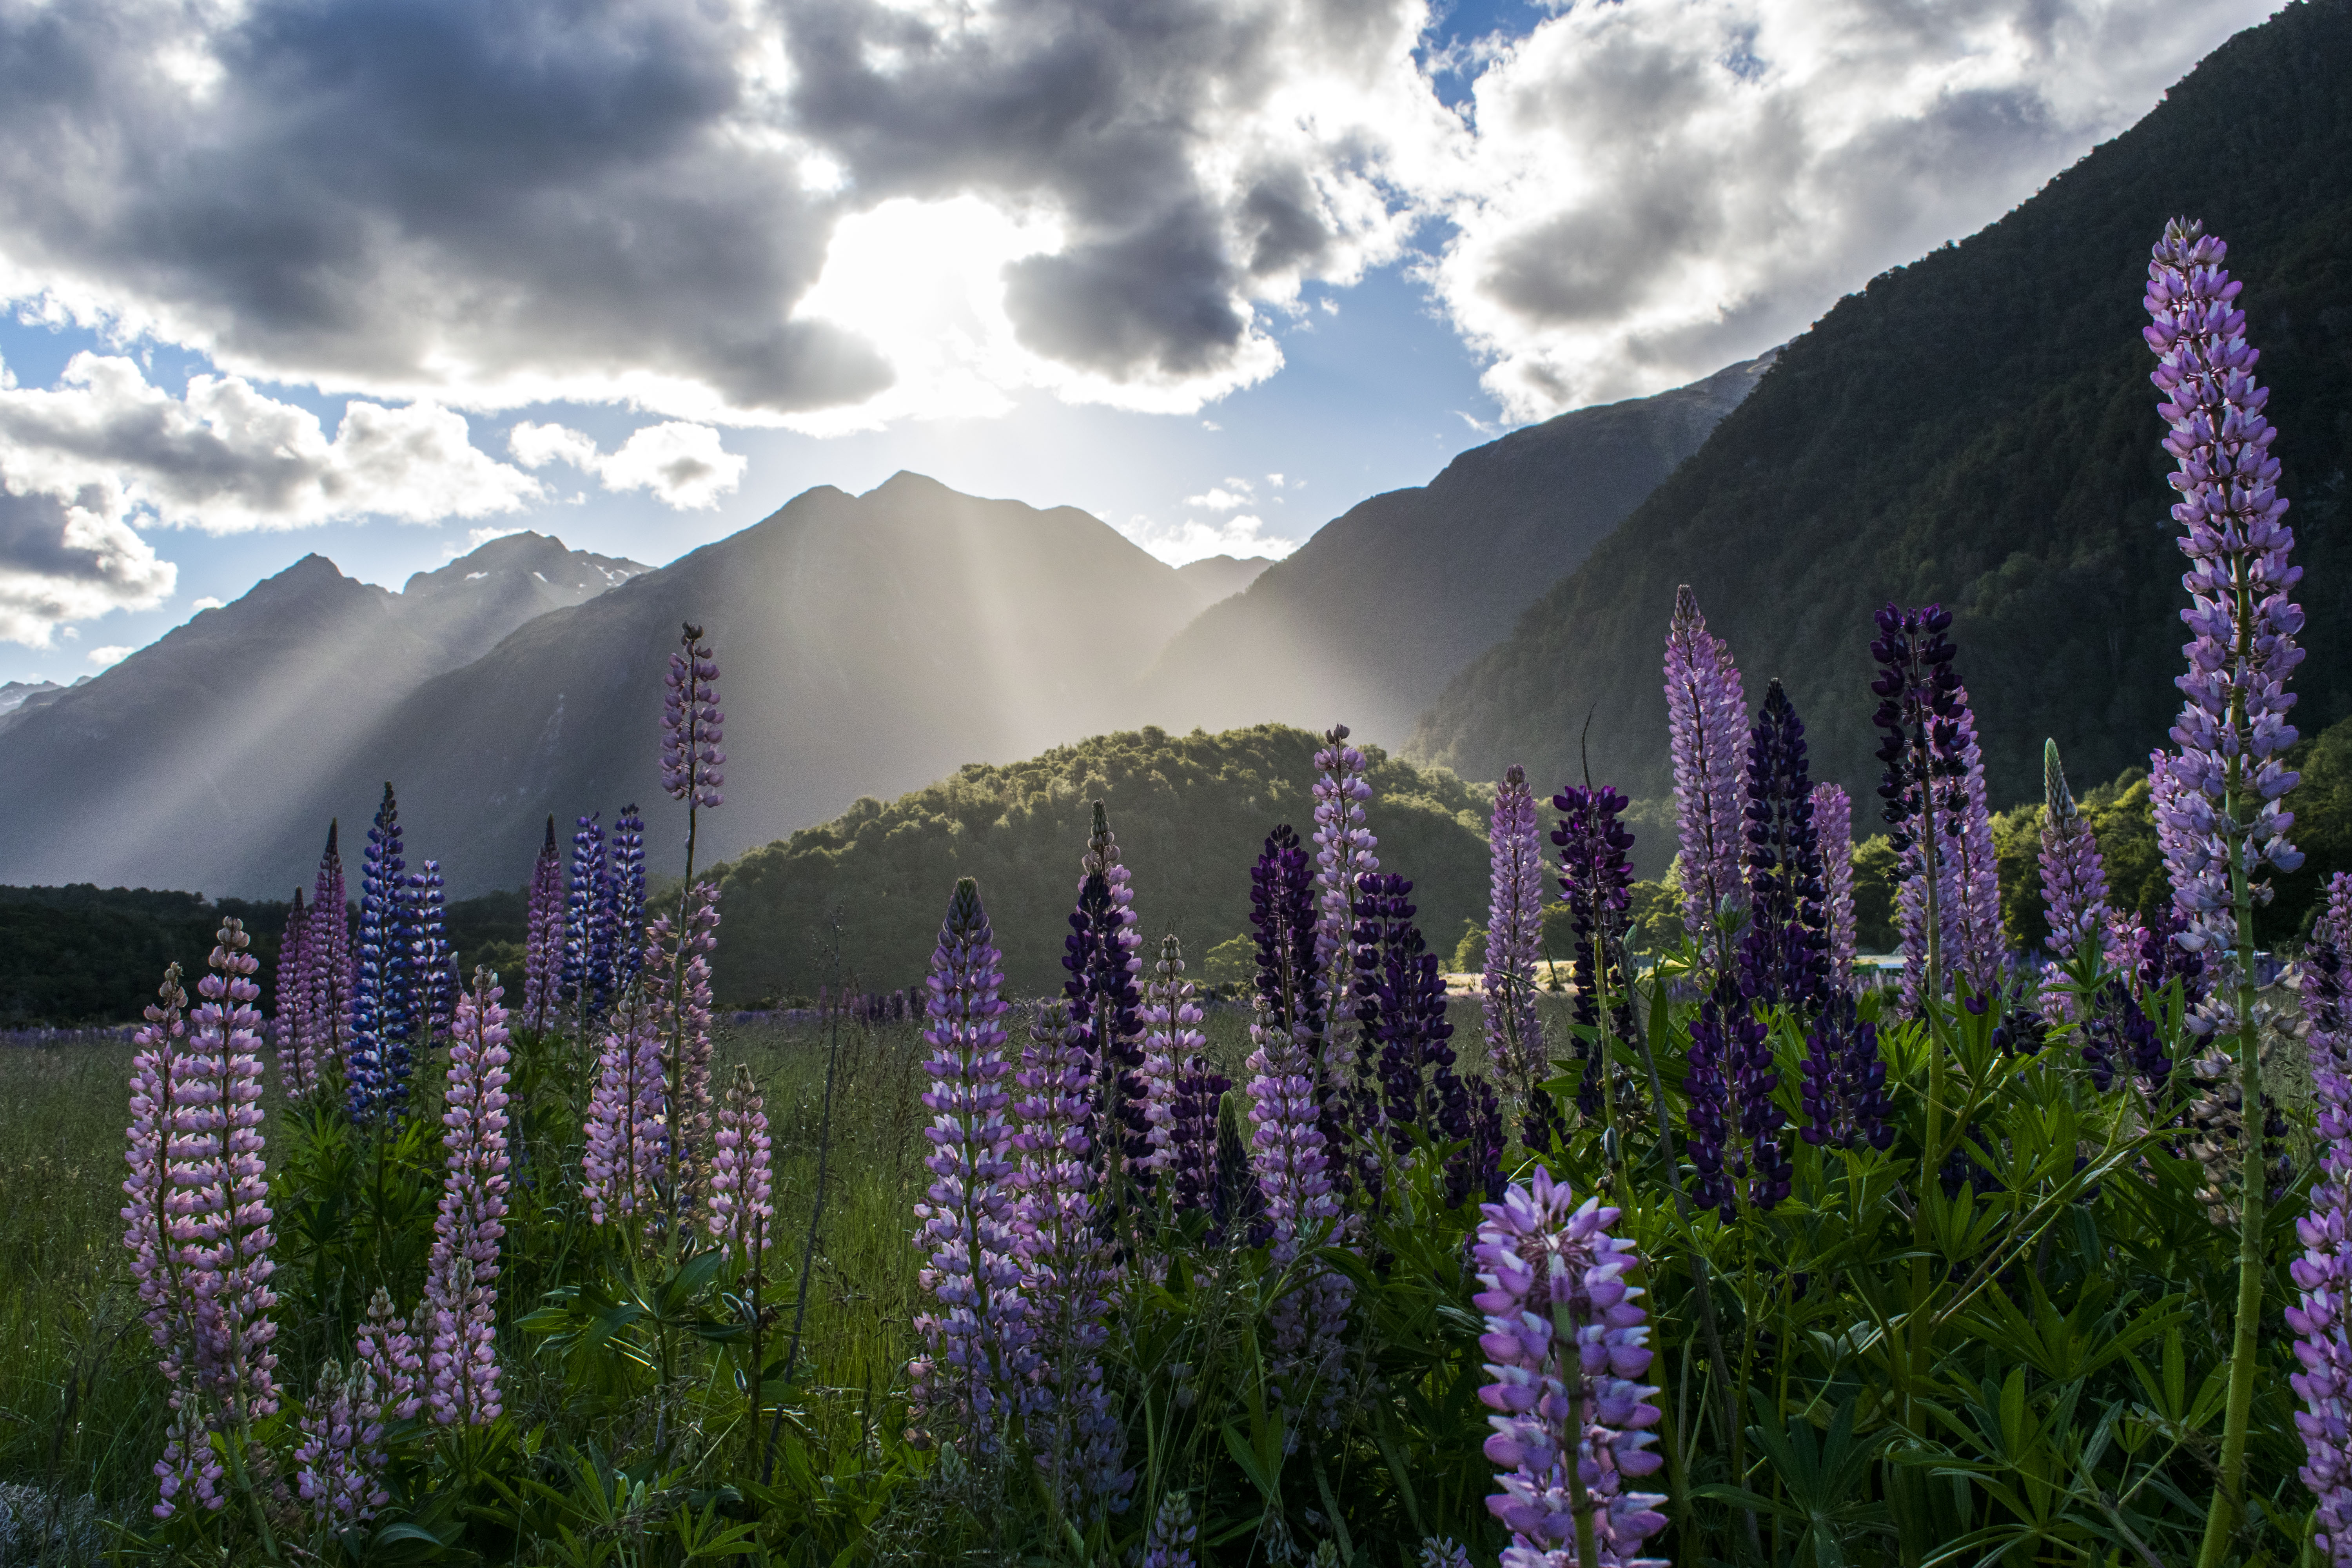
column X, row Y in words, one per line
column 81, row 1410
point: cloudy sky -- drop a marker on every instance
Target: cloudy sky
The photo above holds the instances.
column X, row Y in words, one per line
column 379, row 277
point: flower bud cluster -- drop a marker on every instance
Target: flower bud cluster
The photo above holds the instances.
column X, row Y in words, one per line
column 692, row 724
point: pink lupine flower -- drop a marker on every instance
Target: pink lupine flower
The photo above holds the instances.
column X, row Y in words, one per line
column 338, row 1465
column 298, row 1069
column 685, row 1027
column 975, row 1361
column 1566, row 1344
column 2322, row 1317
column 1343, row 853
column 461, row 1278
column 742, row 1200
column 1302, row 1214
column 189, row 1470
column 542, row 965
column 626, row 1151
column 1833, row 826
column 1067, row 1271
column 167, row 1304
column 1514, row 1041
column 389, row 1352
column 229, row 1238
column 1706, row 718
column 1172, row 1037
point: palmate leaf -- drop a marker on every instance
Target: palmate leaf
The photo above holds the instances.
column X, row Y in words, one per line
column 1825, row 1479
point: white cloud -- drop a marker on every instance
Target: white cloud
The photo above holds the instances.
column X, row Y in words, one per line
column 206, row 602
column 109, row 657
column 226, row 460
column 1220, row 499
column 686, row 465
column 62, row 562
column 1662, row 187
column 1194, row 540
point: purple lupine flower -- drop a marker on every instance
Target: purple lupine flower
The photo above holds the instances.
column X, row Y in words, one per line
column 1706, row 719
column 1595, row 882
column 1172, row 1038
column 2339, row 902
column 1067, row 1270
column 1443, row 1551
column 389, row 1351
column 976, row 1360
column 625, row 896
column 1400, row 1002
column 232, row 1238
column 384, row 991
column 1198, row 1154
column 1284, row 924
column 1174, row 1535
column 1514, row 1041
column 587, row 912
column 542, row 965
column 1784, row 951
column 2074, row 879
column 1343, row 853
column 338, row 1465
column 1734, row 1121
column 1290, row 1159
column 190, row 1463
column 1478, row 1166
column 1567, row 1346
column 1833, row 829
column 2119, row 1032
column 1106, row 999
column 692, row 724
column 329, row 984
column 461, row 1278
column 1844, row 1091
column 1971, row 910
column 684, row 1025
column 2233, row 731
column 435, row 961
column 298, row 1067
column 742, row 1196
column 157, row 1141
column 625, row 1141
column 2322, row 1318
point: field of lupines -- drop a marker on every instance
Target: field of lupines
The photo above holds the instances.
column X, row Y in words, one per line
column 1734, row 1259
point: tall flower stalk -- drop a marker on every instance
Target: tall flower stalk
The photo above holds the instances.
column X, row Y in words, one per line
column 1595, row 882
column 743, row 1209
column 1292, row 1163
column 384, row 991
column 625, row 1148
column 625, row 896
column 1067, row 1271
column 328, row 979
column 1706, row 718
column 1101, row 954
column 2074, row 878
column 1834, row 830
column 542, row 964
column 1172, row 1039
column 434, row 961
column 461, row 1277
column 2233, row 731
column 975, row 1359
column 587, row 928
column 691, row 763
column 233, row 1236
column 164, row 1137
column 1567, row 1343
column 692, row 726
column 1514, row 874
column 1784, row 951
column 1343, row 854
column 298, row 1067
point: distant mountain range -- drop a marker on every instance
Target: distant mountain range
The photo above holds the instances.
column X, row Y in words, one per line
column 1373, row 615
column 198, row 762
column 1977, row 428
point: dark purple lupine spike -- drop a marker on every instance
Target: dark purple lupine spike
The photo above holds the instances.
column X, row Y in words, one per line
column 328, row 985
column 1105, row 990
column 1195, row 1148
column 1400, row 1003
column 1784, row 951
column 1734, row 1121
column 434, row 962
column 625, row 897
column 384, row 991
column 1477, row 1168
column 1283, row 919
column 587, row 936
column 1595, row 882
column 298, row 1067
column 1844, row 1092
column 2119, row 1034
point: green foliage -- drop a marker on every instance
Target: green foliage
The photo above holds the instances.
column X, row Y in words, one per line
column 1190, row 813
column 1977, row 428
column 83, row 954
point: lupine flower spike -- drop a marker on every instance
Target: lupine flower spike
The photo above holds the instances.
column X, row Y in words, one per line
column 1292, row 1164
column 229, row 1243
column 162, row 1137
column 1949, row 896
column 743, row 1200
column 684, row 1025
column 1833, row 826
column 1172, row 1038
column 2322, row 1320
column 389, row 1351
column 1565, row 1343
column 587, row 931
column 1174, row 1535
column 1706, row 717
column 625, row 896
column 435, row 961
column 384, row 991
column 1343, row 853
column 1101, row 954
column 461, row 1278
column 327, row 986
column 338, row 1465
column 692, row 727
column 1515, row 1042
column 1595, row 882
column 1784, row 951
column 1067, row 1274
column 975, row 1361
column 542, row 965
column 626, row 1151
column 297, row 1068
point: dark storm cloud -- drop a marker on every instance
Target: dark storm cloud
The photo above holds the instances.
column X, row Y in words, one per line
column 60, row 561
